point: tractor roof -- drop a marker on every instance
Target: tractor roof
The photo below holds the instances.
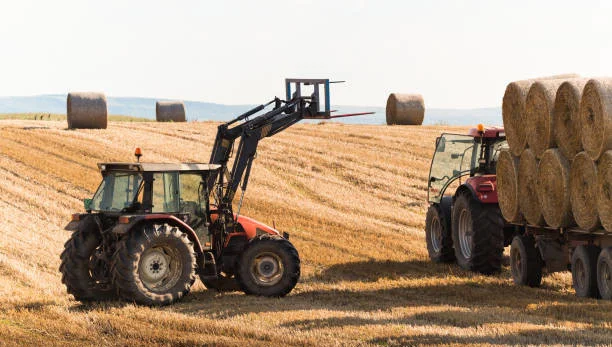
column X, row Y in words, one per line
column 158, row 167
column 489, row 132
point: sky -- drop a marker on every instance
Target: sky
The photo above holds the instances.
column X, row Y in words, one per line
column 457, row 54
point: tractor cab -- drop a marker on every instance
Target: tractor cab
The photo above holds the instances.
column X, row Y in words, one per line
column 139, row 189
column 456, row 155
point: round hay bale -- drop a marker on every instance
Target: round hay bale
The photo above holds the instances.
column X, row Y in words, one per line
column 583, row 191
column 539, row 107
column 596, row 117
column 554, row 189
column 604, row 190
column 513, row 110
column 507, row 186
column 170, row 111
column 527, row 181
column 86, row 111
column 405, row 109
column 566, row 117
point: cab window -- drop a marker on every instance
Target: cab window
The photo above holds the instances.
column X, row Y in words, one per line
column 165, row 192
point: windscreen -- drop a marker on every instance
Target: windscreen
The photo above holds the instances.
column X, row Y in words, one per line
column 117, row 191
column 454, row 157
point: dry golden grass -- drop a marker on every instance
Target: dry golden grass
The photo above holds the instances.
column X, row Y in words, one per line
column 353, row 199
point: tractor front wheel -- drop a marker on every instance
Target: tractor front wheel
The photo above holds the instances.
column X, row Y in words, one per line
column 269, row 266
column 438, row 235
column 478, row 235
column 155, row 265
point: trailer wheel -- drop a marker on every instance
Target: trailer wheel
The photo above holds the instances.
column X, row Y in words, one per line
column 269, row 266
column 604, row 273
column 525, row 261
column 478, row 235
column 584, row 271
column 438, row 234
column 154, row 266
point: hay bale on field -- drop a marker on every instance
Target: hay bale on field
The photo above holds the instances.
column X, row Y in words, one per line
column 507, row 186
column 554, row 189
column 86, row 111
column 566, row 117
column 513, row 110
column 170, row 111
column 604, row 190
column 539, row 107
column 583, row 191
column 405, row 109
column 527, row 181
column 596, row 117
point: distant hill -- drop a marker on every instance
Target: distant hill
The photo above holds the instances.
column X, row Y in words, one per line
column 196, row 110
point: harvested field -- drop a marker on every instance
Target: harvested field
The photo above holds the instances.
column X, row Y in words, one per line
column 353, row 200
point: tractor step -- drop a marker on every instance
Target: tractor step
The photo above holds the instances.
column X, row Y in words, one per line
column 208, row 266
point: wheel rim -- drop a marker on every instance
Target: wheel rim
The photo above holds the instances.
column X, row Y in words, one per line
column 267, row 269
column 465, row 233
column 580, row 274
column 516, row 261
column 436, row 235
column 160, row 268
column 604, row 274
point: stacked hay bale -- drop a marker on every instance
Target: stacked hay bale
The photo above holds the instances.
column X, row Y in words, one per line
column 558, row 170
column 405, row 109
column 170, row 111
column 86, row 111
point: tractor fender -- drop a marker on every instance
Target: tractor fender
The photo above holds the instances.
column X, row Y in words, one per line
column 137, row 221
column 482, row 188
column 253, row 228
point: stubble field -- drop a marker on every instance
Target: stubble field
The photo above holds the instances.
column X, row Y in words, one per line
column 351, row 196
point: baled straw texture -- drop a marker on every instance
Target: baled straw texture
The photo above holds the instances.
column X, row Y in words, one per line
column 507, row 186
column 566, row 117
column 527, row 181
column 554, row 189
column 604, row 190
column 405, row 109
column 170, row 111
column 513, row 111
column 539, row 107
column 596, row 117
column 583, row 195
column 86, row 111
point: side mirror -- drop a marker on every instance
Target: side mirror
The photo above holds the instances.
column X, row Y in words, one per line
column 87, row 204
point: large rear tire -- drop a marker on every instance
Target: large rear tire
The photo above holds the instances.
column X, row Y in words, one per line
column 269, row 266
column 85, row 274
column 584, row 271
column 604, row 273
column 438, row 235
column 478, row 235
column 525, row 262
column 154, row 266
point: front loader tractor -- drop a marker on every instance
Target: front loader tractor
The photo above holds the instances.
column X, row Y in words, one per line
column 151, row 228
column 466, row 225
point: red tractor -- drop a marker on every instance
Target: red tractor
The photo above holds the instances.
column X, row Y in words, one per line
column 467, row 226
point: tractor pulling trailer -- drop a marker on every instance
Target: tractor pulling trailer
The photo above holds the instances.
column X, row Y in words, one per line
column 467, row 226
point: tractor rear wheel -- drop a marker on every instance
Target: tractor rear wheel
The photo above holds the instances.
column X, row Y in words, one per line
column 604, row 273
column 438, row 235
column 584, row 271
column 478, row 235
column 269, row 266
column 525, row 262
column 155, row 265
column 84, row 272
